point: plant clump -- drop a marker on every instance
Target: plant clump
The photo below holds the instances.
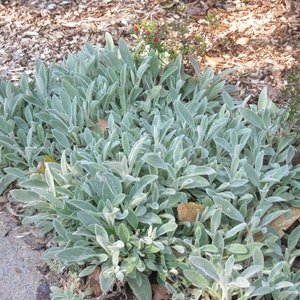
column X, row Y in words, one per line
column 111, row 194
column 172, row 39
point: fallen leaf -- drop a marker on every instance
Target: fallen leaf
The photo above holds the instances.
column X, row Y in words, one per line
column 282, row 223
column 93, row 282
column 187, row 212
column 295, row 160
column 41, row 167
column 103, row 125
column 160, row 292
column 214, row 61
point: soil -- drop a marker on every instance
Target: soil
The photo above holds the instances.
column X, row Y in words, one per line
column 23, row 273
column 19, row 262
column 259, row 38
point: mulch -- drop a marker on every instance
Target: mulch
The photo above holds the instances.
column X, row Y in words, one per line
column 258, row 38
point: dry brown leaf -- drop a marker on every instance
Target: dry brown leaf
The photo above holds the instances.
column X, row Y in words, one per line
column 41, row 167
column 282, row 223
column 285, row 221
column 296, row 159
column 160, row 292
column 103, row 125
column 93, row 282
column 187, row 212
column 214, row 61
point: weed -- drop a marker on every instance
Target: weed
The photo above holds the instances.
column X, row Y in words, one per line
column 168, row 40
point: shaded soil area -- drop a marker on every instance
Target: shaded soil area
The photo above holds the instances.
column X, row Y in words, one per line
column 23, row 273
column 19, row 262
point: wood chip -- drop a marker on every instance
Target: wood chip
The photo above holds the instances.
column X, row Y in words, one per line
column 242, row 41
column 30, row 33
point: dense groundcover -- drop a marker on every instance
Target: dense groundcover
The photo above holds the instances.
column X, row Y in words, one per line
column 112, row 193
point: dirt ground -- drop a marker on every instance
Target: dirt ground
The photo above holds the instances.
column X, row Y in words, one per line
column 19, row 262
column 23, row 273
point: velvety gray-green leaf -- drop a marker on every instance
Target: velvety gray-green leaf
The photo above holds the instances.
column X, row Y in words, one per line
column 252, row 117
column 141, row 288
column 228, row 209
column 75, row 254
column 205, row 267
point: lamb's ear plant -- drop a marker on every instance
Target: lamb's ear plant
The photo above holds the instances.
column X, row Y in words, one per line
column 111, row 196
column 71, row 294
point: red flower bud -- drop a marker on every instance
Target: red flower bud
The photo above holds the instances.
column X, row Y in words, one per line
column 155, row 39
column 148, row 32
column 156, row 33
column 135, row 28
